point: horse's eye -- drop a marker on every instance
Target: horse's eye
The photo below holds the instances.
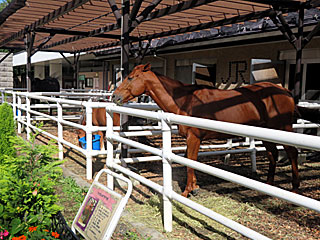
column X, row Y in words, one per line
column 130, row 78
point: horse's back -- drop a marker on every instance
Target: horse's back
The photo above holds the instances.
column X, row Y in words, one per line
column 273, row 103
column 261, row 104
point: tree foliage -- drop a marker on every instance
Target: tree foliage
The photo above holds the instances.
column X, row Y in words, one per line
column 7, row 130
column 4, row 3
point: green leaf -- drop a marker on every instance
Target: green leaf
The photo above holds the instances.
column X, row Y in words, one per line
column 15, row 222
column 32, row 219
column 16, row 226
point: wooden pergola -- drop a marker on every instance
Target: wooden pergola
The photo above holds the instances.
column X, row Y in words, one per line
column 76, row 26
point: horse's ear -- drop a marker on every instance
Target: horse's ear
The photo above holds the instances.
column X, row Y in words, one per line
column 147, row 67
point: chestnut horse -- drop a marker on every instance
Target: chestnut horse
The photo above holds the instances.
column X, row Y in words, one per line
column 98, row 119
column 262, row 104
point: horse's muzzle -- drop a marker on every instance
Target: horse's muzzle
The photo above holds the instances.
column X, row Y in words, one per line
column 117, row 99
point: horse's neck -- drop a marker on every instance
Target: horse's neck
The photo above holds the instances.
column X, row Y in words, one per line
column 162, row 90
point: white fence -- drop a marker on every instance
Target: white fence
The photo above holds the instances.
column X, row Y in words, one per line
column 166, row 153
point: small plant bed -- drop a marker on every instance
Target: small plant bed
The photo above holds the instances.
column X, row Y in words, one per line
column 27, row 197
column 36, row 201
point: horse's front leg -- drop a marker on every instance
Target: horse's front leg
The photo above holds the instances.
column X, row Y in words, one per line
column 193, row 144
column 292, row 154
column 272, row 153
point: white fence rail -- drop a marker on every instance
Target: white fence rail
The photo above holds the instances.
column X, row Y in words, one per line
column 168, row 121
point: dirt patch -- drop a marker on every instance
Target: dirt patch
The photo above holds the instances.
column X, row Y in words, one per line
column 269, row 216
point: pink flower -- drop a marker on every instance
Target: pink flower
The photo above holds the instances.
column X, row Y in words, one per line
column 35, row 192
column 4, row 234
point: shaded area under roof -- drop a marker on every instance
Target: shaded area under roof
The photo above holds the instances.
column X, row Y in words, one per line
column 90, row 25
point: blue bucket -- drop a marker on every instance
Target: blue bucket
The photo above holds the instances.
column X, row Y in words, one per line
column 95, row 142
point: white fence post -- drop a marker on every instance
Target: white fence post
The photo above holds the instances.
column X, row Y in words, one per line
column 2, row 96
column 109, row 133
column 89, row 141
column 253, row 155
column 60, row 130
column 19, row 114
column 227, row 156
column 14, row 105
column 167, row 174
column 28, row 117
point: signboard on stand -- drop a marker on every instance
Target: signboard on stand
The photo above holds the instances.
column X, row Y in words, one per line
column 100, row 210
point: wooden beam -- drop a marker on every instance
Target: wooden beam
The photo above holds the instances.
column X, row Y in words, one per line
column 125, row 38
column 48, row 18
column 144, row 14
column 64, row 41
column 46, row 40
column 232, row 20
column 156, row 14
column 65, row 58
column 75, row 33
column 283, row 26
column 108, row 45
column 135, row 9
column 299, row 48
column 29, row 40
column 314, row 32
column 313, row 3
column 13, row 6
column 115, row 11
column 288, row 4
column 5, row 56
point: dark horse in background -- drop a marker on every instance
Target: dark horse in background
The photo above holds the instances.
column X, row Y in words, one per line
column 262, row 104
column 49, row 84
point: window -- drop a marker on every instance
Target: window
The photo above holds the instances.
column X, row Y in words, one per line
column 89, row 82
column 312, row 88
column 204, row 74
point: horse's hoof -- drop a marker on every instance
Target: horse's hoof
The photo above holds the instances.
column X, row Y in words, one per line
column 185, row 194
column 297, row 191
column 195, row 192
column 270, row 183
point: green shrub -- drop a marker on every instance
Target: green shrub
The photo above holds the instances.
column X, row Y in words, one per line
column 7, row 130
column 27, row 193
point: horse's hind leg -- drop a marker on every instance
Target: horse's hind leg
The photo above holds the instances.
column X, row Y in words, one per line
column 292, row 154
column 193, row 145
column 272, row 153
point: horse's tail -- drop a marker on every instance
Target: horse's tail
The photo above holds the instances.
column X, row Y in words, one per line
column 82, row 120
column 312, row 115
column 80, row 132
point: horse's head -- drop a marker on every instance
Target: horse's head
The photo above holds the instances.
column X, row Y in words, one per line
column 132, row 86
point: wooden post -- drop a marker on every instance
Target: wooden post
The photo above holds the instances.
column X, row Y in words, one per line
column 298, row 70
column 29, row 39
column 124, row 62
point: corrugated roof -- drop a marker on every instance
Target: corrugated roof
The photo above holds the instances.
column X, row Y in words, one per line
column 86, row 25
